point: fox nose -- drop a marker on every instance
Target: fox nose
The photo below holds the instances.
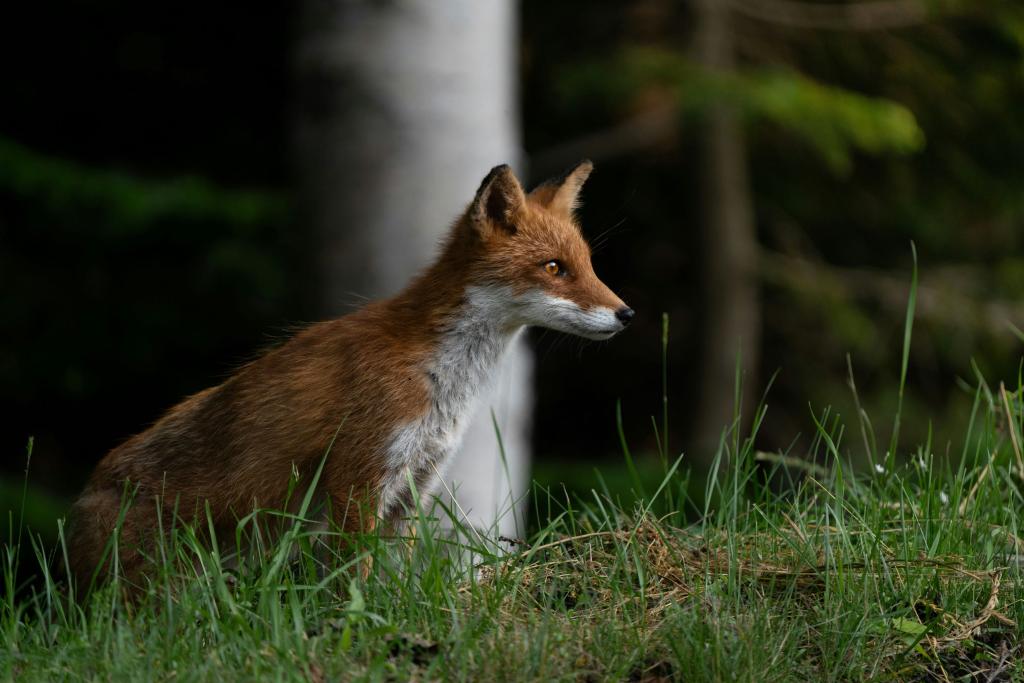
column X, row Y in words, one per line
column 625, row 314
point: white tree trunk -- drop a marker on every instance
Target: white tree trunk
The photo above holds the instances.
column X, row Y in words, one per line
column 402, row 107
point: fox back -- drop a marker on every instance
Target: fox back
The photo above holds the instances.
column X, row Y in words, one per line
column 388, row 389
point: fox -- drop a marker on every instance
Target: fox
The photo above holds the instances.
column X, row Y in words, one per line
column 385, row 391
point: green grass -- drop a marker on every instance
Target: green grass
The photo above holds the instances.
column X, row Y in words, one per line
column 782, row 566
column 793, row 572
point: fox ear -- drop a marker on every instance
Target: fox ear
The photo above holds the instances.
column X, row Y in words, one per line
column 561, row 195
column 498, row 201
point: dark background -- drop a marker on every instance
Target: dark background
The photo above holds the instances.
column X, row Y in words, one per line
column 148, row 244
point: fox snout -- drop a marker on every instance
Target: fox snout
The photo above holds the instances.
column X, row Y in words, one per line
column 619, row 320
column 602, row 322
column 623, row 315
column 596, row 321
column 614, row 313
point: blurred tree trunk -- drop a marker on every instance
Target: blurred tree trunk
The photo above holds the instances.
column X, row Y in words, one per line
column 732, row 321
column 401, row 109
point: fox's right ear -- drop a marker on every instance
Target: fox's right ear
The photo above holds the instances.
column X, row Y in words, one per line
column 498, row 201
column 561, row 195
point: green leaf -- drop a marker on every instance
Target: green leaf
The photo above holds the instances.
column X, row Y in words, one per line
column 909, row 626
column 356, row 603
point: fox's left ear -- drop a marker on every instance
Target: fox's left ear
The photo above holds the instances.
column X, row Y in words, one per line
column 498, row 201
column 561, row 195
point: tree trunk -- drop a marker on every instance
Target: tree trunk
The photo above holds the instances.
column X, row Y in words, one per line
column 732, row 322
column 402, row 107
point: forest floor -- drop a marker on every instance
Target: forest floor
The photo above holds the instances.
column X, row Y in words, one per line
column 775, row 567
column 795, row 569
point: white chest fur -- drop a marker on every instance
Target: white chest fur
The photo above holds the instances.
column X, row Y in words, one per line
column 463, row 367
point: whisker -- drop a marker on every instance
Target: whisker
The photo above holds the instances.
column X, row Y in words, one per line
column 605, row 236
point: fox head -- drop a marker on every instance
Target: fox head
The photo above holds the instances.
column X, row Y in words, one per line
column 531, row 261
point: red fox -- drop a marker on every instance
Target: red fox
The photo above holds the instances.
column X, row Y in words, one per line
column 391, row 385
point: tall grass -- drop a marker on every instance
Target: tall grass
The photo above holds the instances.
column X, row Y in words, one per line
column 909, row 573
column 787, row 566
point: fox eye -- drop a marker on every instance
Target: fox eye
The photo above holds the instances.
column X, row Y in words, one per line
column 554, row 268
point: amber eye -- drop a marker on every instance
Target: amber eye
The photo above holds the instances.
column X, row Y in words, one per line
column 554, row 268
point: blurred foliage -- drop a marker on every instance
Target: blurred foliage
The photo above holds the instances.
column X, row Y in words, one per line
column 833, row 121
column 40, row 509
column 124, row 204
column 130, row 275
column 121, row 291
column 917, row 130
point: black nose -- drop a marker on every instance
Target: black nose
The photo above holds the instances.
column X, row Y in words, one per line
column 625, row 314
